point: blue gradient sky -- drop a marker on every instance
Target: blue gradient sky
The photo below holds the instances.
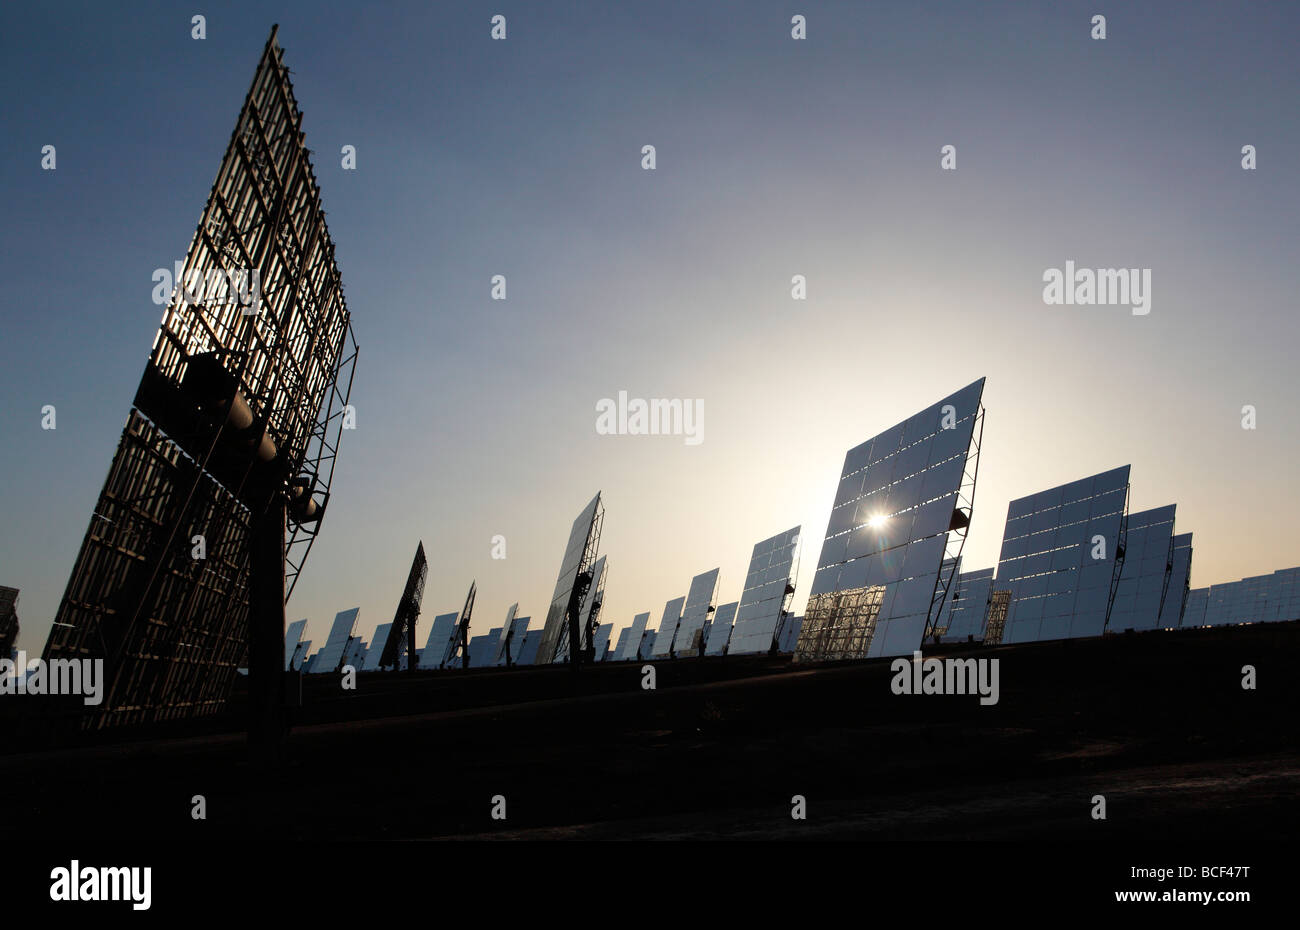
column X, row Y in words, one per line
column 775, row 158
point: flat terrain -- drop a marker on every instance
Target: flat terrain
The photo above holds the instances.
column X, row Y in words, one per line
column 1158, row 723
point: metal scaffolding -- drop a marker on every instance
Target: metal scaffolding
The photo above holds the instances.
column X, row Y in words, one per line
column 223, row 472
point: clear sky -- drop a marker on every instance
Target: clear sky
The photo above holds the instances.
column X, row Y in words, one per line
column 775, row 157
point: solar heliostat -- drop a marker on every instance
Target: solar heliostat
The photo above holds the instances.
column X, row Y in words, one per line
column 1061, row 556
column 441, row 632
column 458, row 643
column 632, row 645
column 233, row 432
column 602, row 641
column 1144, row 575
column 507, row 634
column 617, row 652
column 375, row 653
column 896, row 530
column 1171, row 614
column 663, row 641
column 572, row 585
column 695, row 613
column 769, row 586
column 331, row 655
column 528, row 652
column 292, row 640
column 1194, row 611
column 590, row 615
column 968, row 607
column 1258, row 599
column 400, row 643
column 300, row 653
column 788, row 635
column 720, row 629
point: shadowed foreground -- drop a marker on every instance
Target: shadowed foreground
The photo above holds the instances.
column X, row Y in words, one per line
column 1158, row 723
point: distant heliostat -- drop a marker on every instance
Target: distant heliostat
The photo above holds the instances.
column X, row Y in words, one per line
column 573, row 583
column 769, row 588
column 1061, row 558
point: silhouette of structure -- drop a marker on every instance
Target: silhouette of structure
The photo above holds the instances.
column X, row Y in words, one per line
column 230, row 443
column 572, row 586
column 401, row 638
column 458, row 645
column 8, row 621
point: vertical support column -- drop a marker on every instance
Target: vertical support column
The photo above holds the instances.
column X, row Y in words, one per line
column 575, row 634
column 267, row 722
column 573, row 615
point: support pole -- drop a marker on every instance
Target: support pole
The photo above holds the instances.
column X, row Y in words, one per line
column 268, row 724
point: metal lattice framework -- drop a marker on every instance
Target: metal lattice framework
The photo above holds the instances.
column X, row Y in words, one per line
column 591, row 609
column 236, row 424
column 401, row 638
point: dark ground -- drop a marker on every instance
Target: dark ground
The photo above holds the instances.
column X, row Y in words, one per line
column 1156, row 722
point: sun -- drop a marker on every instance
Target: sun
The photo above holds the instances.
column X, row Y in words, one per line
column 877, row 521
